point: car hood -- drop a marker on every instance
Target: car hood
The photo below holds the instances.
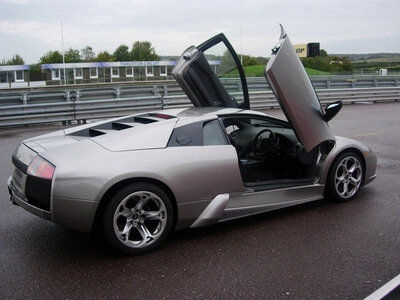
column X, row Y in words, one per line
column 296, row 95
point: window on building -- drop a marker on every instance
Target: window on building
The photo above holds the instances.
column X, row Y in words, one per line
column 11, row 76
column 19, row 75
column 163, row 70
column 114, row 72
column 78, row 73
column 139, row 72
column 3, row 77
column 94, row 73
column 55, row 74
column 69, row 75
column 129, row 71
column 149, row 71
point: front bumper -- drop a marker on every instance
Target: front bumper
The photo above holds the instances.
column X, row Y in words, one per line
column 19, row 199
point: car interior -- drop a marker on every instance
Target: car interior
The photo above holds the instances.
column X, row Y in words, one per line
column 269, row 151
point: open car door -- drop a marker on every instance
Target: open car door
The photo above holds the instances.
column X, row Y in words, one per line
column 211, row 75
column 296, row 95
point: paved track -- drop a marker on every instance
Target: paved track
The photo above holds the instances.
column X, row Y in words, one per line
column 320, row 250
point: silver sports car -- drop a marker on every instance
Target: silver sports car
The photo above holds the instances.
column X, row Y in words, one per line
column 139, row 177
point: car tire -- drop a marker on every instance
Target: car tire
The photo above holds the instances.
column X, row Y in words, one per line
column 345, row 177
column 138, row 218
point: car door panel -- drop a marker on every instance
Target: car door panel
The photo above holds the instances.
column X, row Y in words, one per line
column 296, row 95
column 200, row 81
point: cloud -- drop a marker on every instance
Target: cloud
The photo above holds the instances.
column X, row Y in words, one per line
column 15, row 1
column 40, row 30
column 173, row 25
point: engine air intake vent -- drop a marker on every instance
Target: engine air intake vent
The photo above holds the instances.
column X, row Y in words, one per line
column 121, row 124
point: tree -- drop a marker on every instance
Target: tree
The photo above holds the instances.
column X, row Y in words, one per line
column 262, row 60
column 35, row 72
column 104, row 57
column 340, row 63
column 328, row 63
column 87, row 54
column 143, row 51
column 15, row 60
column 323, row 53
column 347, row 65
column 72, row 56
column 122, row 53
column 249, row 60
column 227, row 64
column 51, row 57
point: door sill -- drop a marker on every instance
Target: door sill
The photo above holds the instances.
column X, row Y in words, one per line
column 277, row 184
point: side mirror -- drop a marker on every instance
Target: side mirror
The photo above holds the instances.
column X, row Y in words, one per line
column 331, row 110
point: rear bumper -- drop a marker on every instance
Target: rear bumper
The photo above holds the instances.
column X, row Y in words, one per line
column 16, row 197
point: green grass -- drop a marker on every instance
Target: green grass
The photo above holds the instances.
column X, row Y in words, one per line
column 313, row 72
column 254, row 71
column 258, row 71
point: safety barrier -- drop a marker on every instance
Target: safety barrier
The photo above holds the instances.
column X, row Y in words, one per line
column 50, row 106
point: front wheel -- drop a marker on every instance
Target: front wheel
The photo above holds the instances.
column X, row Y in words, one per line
column 138, row 218
column 345, row 176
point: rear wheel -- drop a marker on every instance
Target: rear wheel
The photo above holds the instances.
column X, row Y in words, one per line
column 138, row 218
column 345, row 176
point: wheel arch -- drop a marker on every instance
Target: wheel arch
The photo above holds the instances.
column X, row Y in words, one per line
column 118, row 185
column 350, row 149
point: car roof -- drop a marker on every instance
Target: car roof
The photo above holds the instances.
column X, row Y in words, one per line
column 196, row 114
column 210, row 112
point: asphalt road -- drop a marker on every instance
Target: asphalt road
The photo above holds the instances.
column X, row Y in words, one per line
column 320, row 250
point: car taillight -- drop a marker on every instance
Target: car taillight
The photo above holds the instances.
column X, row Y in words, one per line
column 39, row 167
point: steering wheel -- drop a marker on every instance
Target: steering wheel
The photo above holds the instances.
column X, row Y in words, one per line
column 261, row 146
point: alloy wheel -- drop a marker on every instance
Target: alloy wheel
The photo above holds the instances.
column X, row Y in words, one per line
column 140, row 219
column 348, row 175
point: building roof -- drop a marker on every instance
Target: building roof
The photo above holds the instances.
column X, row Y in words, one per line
column 14, row 68
column 115, row 64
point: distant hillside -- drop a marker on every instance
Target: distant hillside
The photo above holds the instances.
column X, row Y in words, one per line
column 370, row 55
column 384, row 57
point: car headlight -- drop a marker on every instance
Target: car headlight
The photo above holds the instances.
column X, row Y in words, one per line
column 39, row 167
column 24, row 154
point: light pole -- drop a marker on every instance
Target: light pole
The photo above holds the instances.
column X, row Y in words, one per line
column 241, row 50
column 62, row 51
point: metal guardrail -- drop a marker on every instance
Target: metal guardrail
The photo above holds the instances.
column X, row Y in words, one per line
column 48, row 94
column 117, row 90
column 78, row 105
column 262, row 100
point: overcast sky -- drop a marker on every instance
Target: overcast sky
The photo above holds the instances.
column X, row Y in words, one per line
column 33, row 27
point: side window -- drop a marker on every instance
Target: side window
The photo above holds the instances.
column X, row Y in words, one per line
column 198, row 134
column 213, row 134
